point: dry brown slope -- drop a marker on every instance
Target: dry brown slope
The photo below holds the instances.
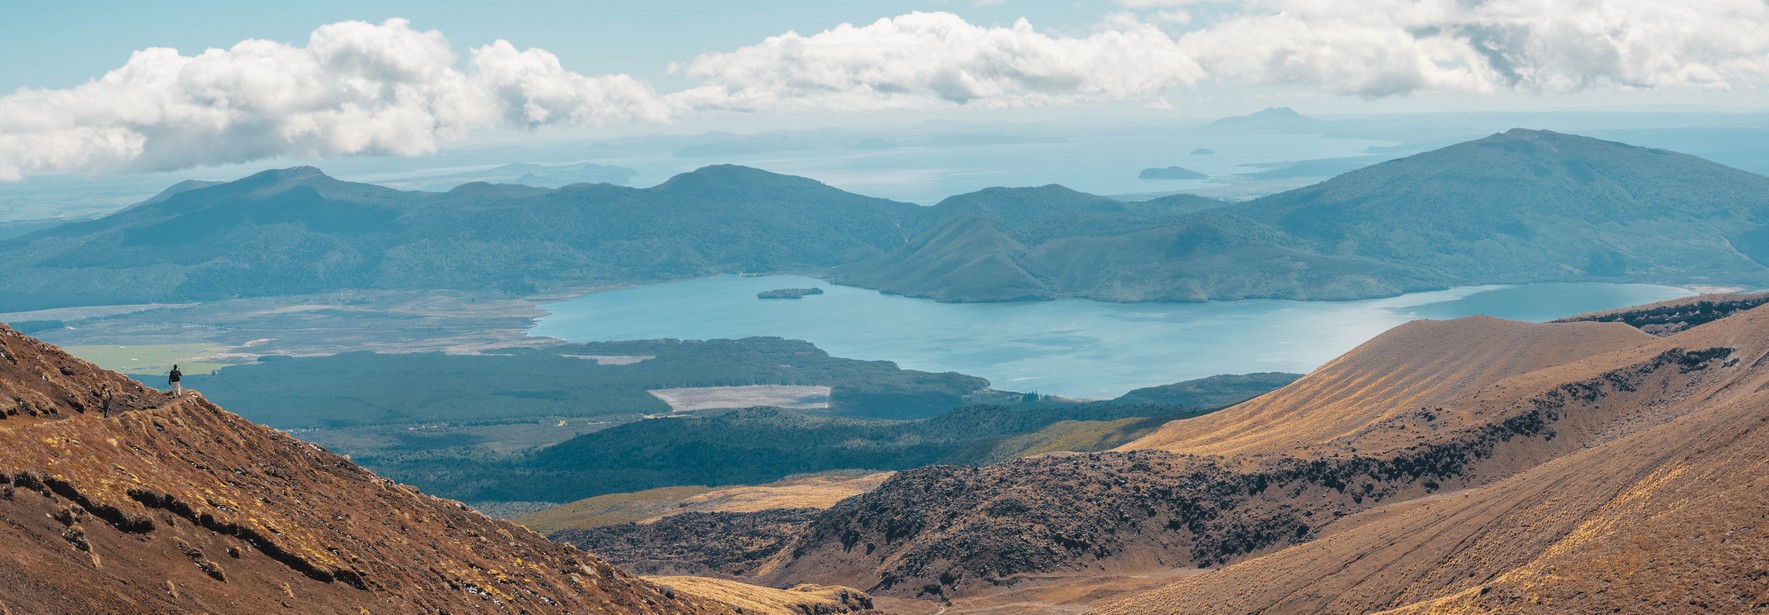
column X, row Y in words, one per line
column 953, row 533
column 178, row 506
column 754, row 600
column 816, row 491
column 1673, row 516
column 1421, row 364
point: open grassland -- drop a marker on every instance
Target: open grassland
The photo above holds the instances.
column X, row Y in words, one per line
column 752, row 599
column 1078, row 436
column 610, row 509
column 153, row 358
column 790, row 397
column 814, row 491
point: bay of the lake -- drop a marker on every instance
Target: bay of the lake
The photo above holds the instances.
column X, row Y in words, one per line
column 1070, row 347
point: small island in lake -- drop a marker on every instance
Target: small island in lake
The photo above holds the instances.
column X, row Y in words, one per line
column 788, row 293
column 1170, row 173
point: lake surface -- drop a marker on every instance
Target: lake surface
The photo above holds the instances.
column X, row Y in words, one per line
column 1071, row 347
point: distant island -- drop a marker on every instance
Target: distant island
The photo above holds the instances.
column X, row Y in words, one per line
column 1170, row 173
column 788, row 293
column 1202, row 151
column 1273, row 119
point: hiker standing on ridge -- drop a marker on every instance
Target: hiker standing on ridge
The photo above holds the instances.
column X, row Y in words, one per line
column 104, row 395
column 173, row 378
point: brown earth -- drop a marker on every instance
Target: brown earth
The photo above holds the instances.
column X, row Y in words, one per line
column 1437, row 460
column 753, row 600
column 175, row 506
column 1666, row 511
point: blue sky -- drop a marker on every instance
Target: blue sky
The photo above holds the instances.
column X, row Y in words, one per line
column 117, row 88
column 55, row 45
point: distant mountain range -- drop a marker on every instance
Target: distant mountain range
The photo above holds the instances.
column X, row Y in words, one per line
column 1523, row 206
column 299, row 230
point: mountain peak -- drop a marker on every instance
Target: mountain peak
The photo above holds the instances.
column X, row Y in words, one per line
column 1533, row 134
column 733, row 172
column 290, row 174
column 732, row 176
column 276, row 180
column 1268, row 117
column 178, row 188
column 1277, row 113
column 1022, row 196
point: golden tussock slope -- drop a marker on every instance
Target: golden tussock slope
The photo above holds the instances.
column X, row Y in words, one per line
column 754, row 600
column 1664, row 509
column 818, row 491
column 1422, row 364
column 1433, row 407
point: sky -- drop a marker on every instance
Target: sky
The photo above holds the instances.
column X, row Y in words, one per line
column 154, row 87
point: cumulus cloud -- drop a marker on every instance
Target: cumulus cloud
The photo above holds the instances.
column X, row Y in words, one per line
column 928, row 59
column 1390, row 47
column 355, row 88
column 1155, row 4
column 1370, row 49
column 361, row 88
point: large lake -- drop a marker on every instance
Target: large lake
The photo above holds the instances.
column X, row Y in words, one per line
column 1070, row 347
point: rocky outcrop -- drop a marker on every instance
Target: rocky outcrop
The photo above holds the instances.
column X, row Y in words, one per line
column 1677, row 315
column 723, row 544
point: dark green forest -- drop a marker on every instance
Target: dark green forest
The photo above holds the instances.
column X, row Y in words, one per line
column 751, row 446
column 439, row 421
column 365, row 389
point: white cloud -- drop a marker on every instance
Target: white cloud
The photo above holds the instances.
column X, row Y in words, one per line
column 1174, row 16
column 356, row 88
column 930, row 59
column 1157, row 4
column 360, row 88
column 1369, row 49
column 1391, row 47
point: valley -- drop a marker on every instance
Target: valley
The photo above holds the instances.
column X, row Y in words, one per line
column 1443, row 465
column 1016, row 400
column 1135, row 307
column 1380, row 231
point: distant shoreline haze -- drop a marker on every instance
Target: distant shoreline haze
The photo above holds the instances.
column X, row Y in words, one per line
column 1512, row 208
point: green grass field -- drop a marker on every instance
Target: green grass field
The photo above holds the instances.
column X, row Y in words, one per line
column 151, row 359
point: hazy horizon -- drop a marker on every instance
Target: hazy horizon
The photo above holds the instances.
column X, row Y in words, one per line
column 403, row 89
